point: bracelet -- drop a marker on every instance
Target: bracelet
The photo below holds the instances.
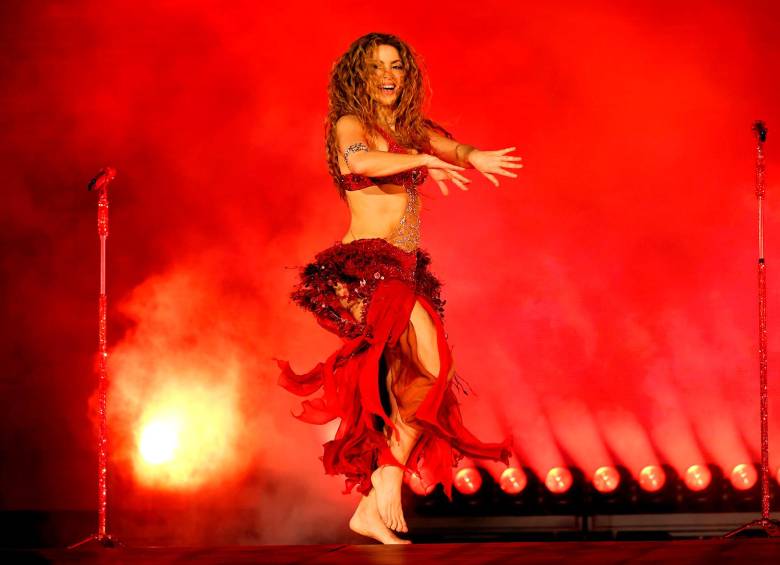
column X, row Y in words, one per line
column 469, row 149
column 354, row 148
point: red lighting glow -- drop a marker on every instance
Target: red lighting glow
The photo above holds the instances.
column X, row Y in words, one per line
column 606, row 479
column 743, row 476
column 652, row 478
column 417, row 485
column 186, row 438
column 513, row 480
column 698, row 477
column 558, row 480
column 468, row 480
column 159, row 440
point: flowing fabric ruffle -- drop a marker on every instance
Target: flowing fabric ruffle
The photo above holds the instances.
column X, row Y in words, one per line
column 380, row 336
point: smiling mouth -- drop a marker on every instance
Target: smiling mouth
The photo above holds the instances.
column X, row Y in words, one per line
column 388, row 88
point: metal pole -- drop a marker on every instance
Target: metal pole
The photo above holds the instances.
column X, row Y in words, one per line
column 102, row 368
column 100, row 183
column 771, row 527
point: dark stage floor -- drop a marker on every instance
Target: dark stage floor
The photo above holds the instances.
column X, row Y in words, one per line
column 748, row 550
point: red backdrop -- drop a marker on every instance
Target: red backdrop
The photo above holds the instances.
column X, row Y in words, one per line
column 602, row 305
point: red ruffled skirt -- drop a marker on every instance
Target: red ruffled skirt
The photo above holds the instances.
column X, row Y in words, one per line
column 364, row 291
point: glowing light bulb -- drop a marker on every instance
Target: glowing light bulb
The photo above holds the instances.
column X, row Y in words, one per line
column 743, row 476
column 698, row 477
column 159, row 440
column 468, row 480
column 558, row 480
column 513, row 480
column 606, row 479
column 417, row 485
column 652, row 478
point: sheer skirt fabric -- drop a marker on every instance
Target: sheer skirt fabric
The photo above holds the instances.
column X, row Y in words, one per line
column 364, row 291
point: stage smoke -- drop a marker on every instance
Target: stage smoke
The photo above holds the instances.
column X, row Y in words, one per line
column 602, row 305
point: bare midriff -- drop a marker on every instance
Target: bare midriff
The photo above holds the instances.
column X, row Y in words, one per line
column 383, row 211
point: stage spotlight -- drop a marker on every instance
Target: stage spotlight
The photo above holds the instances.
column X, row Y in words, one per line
column 743, row 476
column 415, row 483
column 698, row 477
column 159, row 440
column 652, row 478
column 468, row 480
column 606, row 479
column 559, row 480
column 513, row 480
column 659, row 489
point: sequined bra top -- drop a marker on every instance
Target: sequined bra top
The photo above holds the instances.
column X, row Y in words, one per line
column 414, row 177
column 406, row 234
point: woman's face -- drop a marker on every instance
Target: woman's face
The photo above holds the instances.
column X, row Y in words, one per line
column 386, row 75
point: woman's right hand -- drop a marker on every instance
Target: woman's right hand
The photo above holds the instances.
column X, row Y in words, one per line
column 441, row 171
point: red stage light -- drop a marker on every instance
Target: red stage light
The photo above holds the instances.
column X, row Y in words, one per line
column 743, row 476
column 606, row 479
column 419, row 488
column 698, row 477
column 558, row 480
column 777, row 477
column 652, row 478
column 159, row 440
column 468, row 480
column 185, row 437
column 513, row 480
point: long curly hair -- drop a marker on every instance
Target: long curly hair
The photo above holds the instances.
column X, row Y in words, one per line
column 348, row 93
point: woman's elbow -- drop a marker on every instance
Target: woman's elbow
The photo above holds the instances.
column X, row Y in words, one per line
column 357, row 162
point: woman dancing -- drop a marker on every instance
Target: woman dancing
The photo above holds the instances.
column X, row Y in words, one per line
column 391, row 381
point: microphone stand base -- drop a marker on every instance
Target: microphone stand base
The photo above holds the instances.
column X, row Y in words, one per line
column 98, row 541
column 770, row 527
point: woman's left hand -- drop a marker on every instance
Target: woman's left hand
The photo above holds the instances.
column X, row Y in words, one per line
column 442, row 175
column 491, row 163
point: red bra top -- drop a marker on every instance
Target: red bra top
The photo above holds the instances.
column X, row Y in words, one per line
column 408, row 179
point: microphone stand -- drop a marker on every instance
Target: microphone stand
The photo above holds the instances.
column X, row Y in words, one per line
column 100, row 184
column 765, row 523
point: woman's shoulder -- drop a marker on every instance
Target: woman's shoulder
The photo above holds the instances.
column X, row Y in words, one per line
column 350, row 122
column 349, row 129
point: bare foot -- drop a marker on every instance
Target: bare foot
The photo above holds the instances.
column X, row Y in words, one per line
column 387, row 481
column 366, row 522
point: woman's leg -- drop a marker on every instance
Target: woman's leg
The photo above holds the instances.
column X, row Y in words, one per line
column 420, row 344
column 388, row 479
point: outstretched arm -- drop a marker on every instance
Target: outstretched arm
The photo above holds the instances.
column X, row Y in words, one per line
column 489, row 163
column 351, row 138
column 450, row 150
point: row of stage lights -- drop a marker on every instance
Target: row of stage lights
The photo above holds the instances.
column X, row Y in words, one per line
column 159, row 441
column 654, row 484
column 652, row 478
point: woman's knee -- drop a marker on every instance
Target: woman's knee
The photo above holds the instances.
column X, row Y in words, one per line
column 426, row 337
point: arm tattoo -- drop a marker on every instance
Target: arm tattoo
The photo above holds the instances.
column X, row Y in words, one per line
column 355, row 147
